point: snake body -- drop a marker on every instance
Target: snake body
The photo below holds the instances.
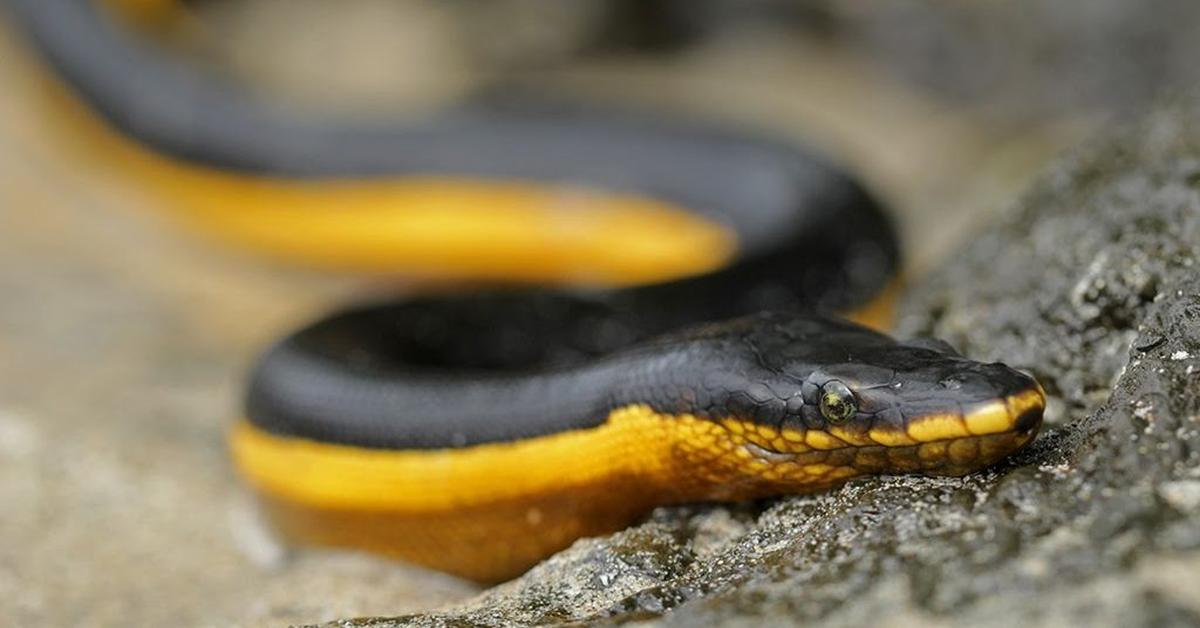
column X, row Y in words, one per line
column 479, row 433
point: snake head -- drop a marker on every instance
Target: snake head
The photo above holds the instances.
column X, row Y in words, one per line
column 816, row 401
column 907, row 408
column 916, row 406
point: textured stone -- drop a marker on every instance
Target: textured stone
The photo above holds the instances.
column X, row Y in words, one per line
column 1031, row 57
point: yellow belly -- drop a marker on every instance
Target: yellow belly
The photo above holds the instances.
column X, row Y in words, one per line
column 491, row 511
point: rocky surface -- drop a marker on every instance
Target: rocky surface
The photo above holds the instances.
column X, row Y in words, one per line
column 1031, row 57
column 1092, row 282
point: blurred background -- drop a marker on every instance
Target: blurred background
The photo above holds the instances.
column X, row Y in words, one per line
column 124, row 338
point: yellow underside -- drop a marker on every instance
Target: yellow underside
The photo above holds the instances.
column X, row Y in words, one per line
column 433, row 226
column 439, row 226
column 489, row 512
column 146, row 15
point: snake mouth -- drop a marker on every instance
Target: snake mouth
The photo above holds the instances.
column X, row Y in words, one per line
column 935, row 444
column 978, row 438
column 1029, row 421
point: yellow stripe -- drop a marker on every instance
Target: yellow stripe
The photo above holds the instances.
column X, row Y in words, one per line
column 666, row 452
column 879, row 312
column 677, row 457
column 991, row 418
column 327, row 475
column 489, row 512
column 995, row 417
column 148, row 15
column 937, row 427
column 436, row 226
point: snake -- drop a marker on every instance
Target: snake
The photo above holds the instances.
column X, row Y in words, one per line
column 676, row 311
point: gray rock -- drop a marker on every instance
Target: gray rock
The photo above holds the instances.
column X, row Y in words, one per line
column 1091, row 283
column 1031, row 57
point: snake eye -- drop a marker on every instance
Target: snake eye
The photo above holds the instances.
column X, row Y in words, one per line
column 837, row 402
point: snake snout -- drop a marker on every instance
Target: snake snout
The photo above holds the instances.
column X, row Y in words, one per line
column 1028, row 422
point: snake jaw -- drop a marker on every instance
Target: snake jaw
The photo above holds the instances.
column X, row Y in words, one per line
column 939, row 444
column 994, row 430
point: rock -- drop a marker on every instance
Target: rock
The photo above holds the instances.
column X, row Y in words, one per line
column 1091, row 283
column 1026, row 58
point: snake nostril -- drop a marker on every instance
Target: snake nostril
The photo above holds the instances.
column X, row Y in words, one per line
column 953, row 382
